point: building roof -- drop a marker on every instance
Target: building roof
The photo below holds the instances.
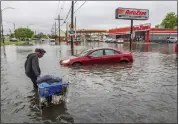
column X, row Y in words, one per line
column 142, row 27
column 62, row 33
column 91, row 31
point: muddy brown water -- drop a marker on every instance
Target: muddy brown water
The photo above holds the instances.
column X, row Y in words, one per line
column 144, row 91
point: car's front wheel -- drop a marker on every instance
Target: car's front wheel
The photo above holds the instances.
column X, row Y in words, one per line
column 77, row 64
column 123, row 62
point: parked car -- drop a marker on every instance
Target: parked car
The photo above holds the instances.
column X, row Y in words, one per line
column 98, row 56
column 13, row 39
column 35, row 38
column 52, row 40
column 113, row 40
column 171, row 39
column 120, row 40
column 108, row 40
column 42, row 39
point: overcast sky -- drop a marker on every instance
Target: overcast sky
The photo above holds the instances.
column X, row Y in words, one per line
column 92, row 15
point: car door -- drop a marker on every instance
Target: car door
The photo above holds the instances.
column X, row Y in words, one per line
column 95, row 57
column 111, row 56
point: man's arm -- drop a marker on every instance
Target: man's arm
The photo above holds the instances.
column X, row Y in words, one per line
column 35, row 66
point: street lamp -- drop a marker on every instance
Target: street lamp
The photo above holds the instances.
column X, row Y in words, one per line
column 7, row 8
column 1, row 21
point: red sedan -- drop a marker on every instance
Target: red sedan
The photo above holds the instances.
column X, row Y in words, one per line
column 99, row 56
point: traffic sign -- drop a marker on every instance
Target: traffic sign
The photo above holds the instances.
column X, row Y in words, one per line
column 71, row 26
column 133, row 35
column 71, row 32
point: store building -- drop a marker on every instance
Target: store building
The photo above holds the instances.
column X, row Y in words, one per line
column 143, row 32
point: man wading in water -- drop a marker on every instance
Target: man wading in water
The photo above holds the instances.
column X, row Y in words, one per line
column 32, row 68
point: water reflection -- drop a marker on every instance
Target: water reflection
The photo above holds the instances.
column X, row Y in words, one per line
column 54, row 113
column 4, row 51
column 144, row 91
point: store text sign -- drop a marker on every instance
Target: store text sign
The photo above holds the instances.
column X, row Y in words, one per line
column 130, row 13
column 143, row 27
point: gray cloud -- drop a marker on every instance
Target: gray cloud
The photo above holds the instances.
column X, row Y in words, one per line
column 93, row 15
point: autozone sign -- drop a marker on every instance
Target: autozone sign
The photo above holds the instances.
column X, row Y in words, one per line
column 130, row 13
column 143, row 27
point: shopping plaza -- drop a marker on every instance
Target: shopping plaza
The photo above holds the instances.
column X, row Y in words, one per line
column 144, row 32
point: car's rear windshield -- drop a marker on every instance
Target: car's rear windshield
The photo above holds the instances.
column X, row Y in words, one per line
column 84, row 52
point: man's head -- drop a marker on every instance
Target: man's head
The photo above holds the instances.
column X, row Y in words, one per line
column 40, row 52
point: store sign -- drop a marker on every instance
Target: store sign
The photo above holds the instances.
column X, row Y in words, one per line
column 143, row 27
column 130, row 13
column 71, row 32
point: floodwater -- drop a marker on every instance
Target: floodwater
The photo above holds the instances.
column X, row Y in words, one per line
column 145, row 91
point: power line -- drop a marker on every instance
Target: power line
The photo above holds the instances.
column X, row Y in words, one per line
column 62, row 6
column 74, row 12
column 79, row 7
column 57, row 7
column 68, row 13
column 56, row 12
column 66, row 16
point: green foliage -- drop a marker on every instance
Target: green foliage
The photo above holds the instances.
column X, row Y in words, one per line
column 53, row 36
column 12, row 35
column 23, row 33
column 40, row 35
column 157, row 26
column 170, row 21
column 11, row 43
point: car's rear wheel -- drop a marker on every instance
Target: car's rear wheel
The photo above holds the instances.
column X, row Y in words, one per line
column 77, row 64
column 123, row 62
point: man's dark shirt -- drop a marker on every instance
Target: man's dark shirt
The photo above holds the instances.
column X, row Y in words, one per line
column 32, row 68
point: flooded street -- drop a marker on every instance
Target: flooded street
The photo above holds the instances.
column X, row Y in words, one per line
column 144, row 91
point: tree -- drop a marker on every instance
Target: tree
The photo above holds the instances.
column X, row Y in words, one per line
column 170, row 21
column 12, row 35
column 23, row 33
column 40, row 35
column 53, row 36
column 157, row 26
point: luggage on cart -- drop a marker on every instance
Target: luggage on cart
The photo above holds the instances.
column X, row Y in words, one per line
column 52, row 92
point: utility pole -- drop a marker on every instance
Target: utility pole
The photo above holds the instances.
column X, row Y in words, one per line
column 59, row 25
column 10, row 31
column 75, row 28
column 66, row 30
column 0, row 22
column 131, row 35
column 72, row 11
column 2, row 34
column 55, row 30
column 14, row 27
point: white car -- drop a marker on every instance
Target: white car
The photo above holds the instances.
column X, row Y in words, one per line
column 13, row 39
column 52, row 40
column 172, row 39
column 110, row 40
column 113, row 40
column 106, row 39
column 120, row 40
